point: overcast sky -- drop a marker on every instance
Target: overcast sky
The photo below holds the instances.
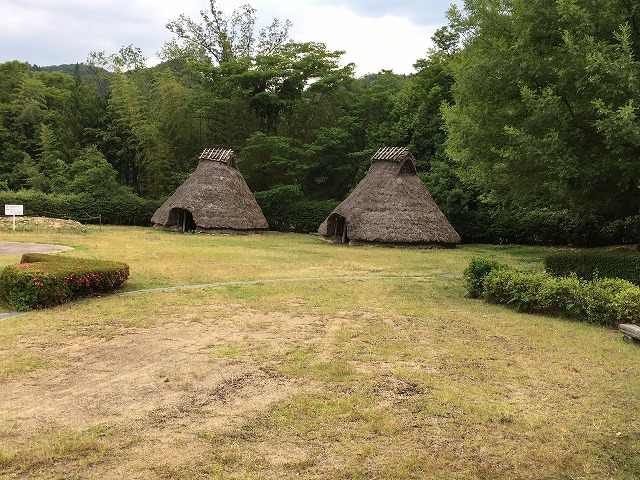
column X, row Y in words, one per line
column 376, row 34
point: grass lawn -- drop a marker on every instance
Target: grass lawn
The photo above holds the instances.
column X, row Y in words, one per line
column 341, row 378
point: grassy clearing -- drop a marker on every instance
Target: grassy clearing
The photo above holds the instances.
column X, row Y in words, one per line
column 384, row 378
column 159, row 258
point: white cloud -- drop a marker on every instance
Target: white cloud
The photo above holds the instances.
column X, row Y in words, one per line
column 48, row 32
column 389, row 42
column 418, row 12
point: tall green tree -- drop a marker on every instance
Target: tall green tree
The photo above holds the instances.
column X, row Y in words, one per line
column 270, row 98
column 141, row 107
column 149, row 133
column 80, row 115
column 94, row 176
column 218, row 39
column 11, row 151
column 30, row 121
column 418, row 123
column 544, row 110
column 282, row 88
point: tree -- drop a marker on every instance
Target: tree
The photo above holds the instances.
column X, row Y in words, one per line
column 94, row 176
column 420, row 126
column 270, row 98
column 30, row 122
column 218, row 40
column 127, row 59
column 268, row 160
column 284, row 87
column 544, row 109
column 80, row 114
column 12, row 74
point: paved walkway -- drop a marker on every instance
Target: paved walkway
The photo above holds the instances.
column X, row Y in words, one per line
column 18, row 248
column 11, row 315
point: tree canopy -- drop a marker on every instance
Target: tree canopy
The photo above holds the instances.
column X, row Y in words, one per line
column 544, row 109
column 522, row 115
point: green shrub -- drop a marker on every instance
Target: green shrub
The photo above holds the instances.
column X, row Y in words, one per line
column 475, row 273
column 42, row 280
column 603, row 302
column 530, row 291
column 595, row 264
column 120, row 209
column 287, row 210
column 557, row 296
column 627, row 305
column 524, row 289
column 597, row 300
column 495, row 286
column 552, row 227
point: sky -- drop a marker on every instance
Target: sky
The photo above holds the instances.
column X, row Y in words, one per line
column 375, row 34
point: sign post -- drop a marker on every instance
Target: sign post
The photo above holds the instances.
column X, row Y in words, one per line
column 14, row 210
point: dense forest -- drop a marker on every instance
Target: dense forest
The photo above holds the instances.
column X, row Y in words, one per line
column 523, row 118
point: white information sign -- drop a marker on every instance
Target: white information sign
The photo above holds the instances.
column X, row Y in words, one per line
column 13, row 210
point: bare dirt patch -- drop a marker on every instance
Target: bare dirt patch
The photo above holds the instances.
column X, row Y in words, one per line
column 168, row 383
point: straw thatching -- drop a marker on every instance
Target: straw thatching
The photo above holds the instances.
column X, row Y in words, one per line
column 215, row 198
column 391, row 206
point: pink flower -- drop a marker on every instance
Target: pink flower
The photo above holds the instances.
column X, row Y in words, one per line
column 22, row 265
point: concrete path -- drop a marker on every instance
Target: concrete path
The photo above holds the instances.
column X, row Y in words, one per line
column 18, row 248
column 11, row 315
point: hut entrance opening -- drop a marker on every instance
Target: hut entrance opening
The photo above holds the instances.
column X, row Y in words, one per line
column 337, row 227
column 185, row 220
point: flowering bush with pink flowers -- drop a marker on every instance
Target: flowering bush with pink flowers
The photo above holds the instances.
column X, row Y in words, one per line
column 43, row 280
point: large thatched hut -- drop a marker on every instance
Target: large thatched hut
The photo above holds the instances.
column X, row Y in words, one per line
column 391, row 206
column 215, row 198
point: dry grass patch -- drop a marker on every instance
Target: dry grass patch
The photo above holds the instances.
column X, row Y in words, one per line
column 159, row 258
column 40, row 225
column 322, row 379
column 52, row 451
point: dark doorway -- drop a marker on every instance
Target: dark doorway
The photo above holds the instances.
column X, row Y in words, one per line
column 185, row 221
column 337, row 227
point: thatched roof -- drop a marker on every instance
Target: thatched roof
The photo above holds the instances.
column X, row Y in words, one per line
column 390, row 205
column 215, row 195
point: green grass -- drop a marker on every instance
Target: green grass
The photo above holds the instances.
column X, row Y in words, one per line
column 159, row 258
column 53, row 452
column 388, row 378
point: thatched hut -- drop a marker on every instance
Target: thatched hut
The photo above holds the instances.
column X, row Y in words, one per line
column 391, row 206
column 215, row 198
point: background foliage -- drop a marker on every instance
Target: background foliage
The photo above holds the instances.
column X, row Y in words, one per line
column 522, row 117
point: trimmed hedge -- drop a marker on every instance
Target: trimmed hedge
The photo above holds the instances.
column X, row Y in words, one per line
column 287, row 210
column 552, row 227
column 43, row 280
column 300, row 217
column 595, row 264
column 127, row 209
column 604, row 302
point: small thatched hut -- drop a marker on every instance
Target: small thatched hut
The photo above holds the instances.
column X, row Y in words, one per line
column 215, row 198
column 391, row 206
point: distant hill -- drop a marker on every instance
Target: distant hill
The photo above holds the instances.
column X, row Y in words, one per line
column 66, row 68
column 84, row 69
